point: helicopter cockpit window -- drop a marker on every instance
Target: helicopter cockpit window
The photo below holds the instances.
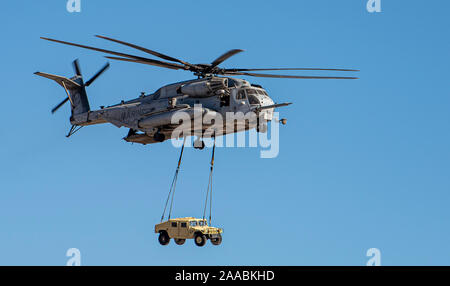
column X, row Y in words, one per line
column 231, row 83
column 260, row 92
column 252, row 98
column 251, row 92
column 240, row 95
column 193, row 223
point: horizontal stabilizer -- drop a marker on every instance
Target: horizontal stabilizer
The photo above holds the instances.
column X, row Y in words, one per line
column 69, row 84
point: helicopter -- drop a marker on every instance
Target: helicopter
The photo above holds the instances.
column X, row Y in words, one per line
column 215, row 92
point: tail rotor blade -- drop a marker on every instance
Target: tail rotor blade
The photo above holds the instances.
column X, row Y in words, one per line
column 76, row 67
column 59, row 105
column 105, row 67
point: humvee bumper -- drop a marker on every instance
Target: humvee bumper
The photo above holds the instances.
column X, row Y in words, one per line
column 214, row 235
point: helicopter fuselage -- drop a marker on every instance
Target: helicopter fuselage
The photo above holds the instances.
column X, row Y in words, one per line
column 210, row 97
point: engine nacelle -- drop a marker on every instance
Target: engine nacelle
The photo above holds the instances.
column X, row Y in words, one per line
column 205, row 88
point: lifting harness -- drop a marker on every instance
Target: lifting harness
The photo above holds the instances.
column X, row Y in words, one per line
column 209, row 189
column 174, row 184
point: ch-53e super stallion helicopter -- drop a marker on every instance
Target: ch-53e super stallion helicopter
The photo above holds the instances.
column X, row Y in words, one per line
column 149, row 116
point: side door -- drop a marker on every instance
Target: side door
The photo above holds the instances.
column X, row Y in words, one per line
column 173, row 229
column 183, row 229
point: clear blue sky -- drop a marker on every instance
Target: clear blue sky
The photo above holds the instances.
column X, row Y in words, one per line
column 362, row 163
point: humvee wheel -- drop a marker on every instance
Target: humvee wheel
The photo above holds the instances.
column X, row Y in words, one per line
column 180, row 241
column 163, row 238
column 217, row 240
column 200, row 239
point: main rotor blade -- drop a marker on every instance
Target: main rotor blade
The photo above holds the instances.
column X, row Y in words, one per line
column 105, row 67
column 76, row 67
column 59, row 105
column 130, row 60
column 291, row 69
column 286, row 76
column 150, row 61
column 163, row 56
column 225, row 56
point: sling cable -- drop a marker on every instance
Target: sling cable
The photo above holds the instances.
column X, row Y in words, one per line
column 181, row 229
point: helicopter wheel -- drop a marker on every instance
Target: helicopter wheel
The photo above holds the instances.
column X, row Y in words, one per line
column 197, row 142
column 159, row 137
column 261, row 128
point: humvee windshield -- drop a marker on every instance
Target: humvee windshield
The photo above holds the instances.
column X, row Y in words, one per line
column 199, row 223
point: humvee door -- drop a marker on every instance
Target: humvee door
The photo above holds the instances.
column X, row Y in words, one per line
column 183, row 229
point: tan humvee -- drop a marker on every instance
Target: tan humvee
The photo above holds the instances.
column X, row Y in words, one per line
column 181, row 229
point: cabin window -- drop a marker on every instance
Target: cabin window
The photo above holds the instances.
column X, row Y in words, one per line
column 240, row 95
column 183, row 224
column 174, row 224
column 251, row 92
column 157, row 94
column 193, row 223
